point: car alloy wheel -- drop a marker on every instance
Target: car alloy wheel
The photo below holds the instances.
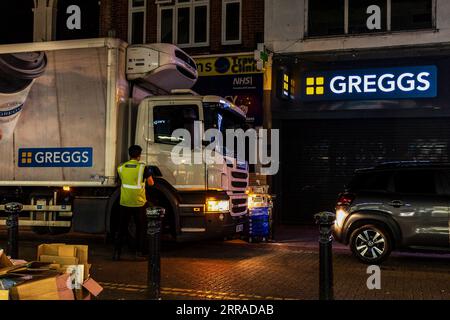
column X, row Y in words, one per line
column 370, row 244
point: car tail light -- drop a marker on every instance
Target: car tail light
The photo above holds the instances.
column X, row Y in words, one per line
column 345, row 199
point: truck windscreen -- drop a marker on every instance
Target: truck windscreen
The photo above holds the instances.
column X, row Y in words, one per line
column 218, row 117
column 222, row 118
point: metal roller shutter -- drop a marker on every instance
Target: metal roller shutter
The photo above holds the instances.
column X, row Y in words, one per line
column 319, row 156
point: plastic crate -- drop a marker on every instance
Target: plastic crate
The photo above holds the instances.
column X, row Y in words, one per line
column 258, row 224
column 259, row 211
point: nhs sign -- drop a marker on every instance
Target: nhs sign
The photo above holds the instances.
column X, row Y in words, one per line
column 371, row 84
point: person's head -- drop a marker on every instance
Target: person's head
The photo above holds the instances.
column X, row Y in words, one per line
column 135, row 152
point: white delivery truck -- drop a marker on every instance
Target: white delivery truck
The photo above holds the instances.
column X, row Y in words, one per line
column 69, row 110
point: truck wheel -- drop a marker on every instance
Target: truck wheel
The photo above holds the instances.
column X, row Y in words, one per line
column 371, row 244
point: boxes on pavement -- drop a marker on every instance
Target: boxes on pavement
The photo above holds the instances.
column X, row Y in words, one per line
column 63, row 255
column 61, row 273
column 4, row 294
column 43, row 289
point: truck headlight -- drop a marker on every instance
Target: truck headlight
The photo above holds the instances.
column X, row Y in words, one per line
column 213, row 205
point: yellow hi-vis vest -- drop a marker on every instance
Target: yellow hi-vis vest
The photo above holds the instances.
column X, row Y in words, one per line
column 132, row 190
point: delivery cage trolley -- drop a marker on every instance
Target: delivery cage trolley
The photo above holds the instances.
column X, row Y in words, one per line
column 260, row 207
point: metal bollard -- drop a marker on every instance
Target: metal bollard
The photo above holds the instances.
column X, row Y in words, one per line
column 325, row 221
column 154, row 218
column 12, row 224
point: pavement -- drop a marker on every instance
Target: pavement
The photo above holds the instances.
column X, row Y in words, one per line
column 284, row 269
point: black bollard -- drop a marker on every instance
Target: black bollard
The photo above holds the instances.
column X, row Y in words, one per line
column 154, row 218
column 12, row 224
column 325, row 221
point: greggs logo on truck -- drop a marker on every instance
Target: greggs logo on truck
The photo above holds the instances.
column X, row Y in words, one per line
column 55, row 157
column 369, row 84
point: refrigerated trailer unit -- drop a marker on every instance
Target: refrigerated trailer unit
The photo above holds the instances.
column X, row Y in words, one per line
column 67, row 119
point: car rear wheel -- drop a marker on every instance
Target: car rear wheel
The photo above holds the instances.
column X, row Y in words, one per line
column 371, row 244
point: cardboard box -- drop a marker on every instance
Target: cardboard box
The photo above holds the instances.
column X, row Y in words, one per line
column 48, row 249
column 5, row 262
column 6, row 265
column 67, row 251
column 65, row 254
column 59, row 260
column 65, row 291
column 93, row 287
column 43, row 289
column 4, row 294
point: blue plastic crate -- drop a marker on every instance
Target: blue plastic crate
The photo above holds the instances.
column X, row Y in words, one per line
column 258, row 223
column 259, row 211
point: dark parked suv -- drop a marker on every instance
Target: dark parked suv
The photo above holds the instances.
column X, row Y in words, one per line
column 395, row 206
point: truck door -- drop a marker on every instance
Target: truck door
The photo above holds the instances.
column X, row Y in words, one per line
column 164, row 118
column 421, row 207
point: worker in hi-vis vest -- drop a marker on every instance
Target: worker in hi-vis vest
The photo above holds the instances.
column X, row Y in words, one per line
column 133, row 174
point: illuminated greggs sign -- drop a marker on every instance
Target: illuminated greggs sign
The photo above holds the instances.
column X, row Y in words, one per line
column 369, row 84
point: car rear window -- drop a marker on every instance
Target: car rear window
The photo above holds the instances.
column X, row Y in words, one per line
column 415, row 181
column 371, row 181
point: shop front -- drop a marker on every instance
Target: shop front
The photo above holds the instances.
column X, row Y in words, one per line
column 339, row 114
column 234, row 77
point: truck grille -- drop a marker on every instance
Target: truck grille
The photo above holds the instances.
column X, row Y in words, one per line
column 239, row 175
column 239, row 184
column 238, row 201
column 239, row 209
column 238, row 204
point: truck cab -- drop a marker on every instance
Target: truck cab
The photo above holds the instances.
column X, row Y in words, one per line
column 201, row 199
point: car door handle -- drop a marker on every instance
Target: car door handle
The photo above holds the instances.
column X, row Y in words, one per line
column 396, row 203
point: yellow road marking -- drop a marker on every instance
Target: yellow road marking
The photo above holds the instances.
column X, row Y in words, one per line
column 190, row 292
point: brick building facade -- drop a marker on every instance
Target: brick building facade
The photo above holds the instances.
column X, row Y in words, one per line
column 114, row 20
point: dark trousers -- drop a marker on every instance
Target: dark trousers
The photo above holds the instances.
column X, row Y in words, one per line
column 140, row 221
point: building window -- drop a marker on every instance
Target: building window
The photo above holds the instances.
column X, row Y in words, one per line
column 326, row 17
column 406, row 16
column 341, row 17
column 184, row 22
column 357, row 16
column 166, row 25
column 231, row 21
column 137, row 14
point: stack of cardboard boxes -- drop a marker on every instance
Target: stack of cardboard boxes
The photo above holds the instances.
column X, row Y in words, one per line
column 61, row 272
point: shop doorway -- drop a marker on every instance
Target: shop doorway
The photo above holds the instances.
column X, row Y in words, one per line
column 319, row 156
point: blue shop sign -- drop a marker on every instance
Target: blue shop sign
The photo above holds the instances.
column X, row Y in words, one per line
column 371, row 84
